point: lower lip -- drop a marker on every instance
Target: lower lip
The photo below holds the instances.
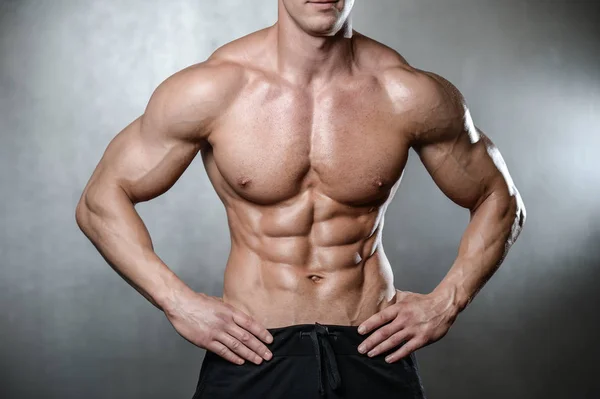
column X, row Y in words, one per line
column 323, row 5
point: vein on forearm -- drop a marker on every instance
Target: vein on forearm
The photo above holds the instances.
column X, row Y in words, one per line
column 486, row 241
column 117, row 231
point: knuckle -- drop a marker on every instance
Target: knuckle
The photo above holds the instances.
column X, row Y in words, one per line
column 222, row 314
column 210, row 336
column 245, row 337
column 222, row 351
column 254, row 343
column 244, row 320
column 392, row 311
column 385, row 333
column 261, row 348
column 384, row 347
column 401, row 319
column 221, row 323
column 235, row 344
column 412, row 345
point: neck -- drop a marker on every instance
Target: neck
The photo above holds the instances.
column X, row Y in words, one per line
column 305, row 59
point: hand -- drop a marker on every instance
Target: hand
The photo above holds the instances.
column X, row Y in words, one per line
column 209, row 323
column 417, row 319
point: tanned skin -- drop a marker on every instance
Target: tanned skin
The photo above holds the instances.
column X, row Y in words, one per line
column 304, row 129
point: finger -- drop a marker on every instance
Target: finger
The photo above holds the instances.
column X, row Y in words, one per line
column 249, row 324
column 404, row 350
column 238, row 348
column 219, row 349
column 378, row 319
column 377, row 337
column 250, row 341
column 392, row 342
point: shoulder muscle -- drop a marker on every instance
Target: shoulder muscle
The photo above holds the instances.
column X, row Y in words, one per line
column 186, row 104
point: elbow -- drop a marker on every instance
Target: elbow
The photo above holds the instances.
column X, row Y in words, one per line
column 88, row 204
column 510, row 209
column 98, row 203
column 518, row 215
column 521, row 212
column 82, row 212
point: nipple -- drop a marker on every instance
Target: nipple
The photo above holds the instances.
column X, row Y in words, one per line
column 243, row 181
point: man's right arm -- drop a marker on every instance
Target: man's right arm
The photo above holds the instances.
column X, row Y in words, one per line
column 142, row 162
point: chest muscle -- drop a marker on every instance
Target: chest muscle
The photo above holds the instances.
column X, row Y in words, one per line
column 272, row 145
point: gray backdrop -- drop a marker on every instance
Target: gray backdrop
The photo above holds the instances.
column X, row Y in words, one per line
column 74, row 73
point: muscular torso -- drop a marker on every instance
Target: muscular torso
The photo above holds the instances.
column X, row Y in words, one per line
column 306, row 175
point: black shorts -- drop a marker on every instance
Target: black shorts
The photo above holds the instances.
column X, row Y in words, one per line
column 311, row 361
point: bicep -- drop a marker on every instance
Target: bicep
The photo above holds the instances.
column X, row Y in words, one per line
column 147, row 157
column 463, row 162
column 143, row 160
column 466, row 166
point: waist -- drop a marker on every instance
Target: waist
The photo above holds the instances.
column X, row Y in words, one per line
column 279, row 295
column 295, row 340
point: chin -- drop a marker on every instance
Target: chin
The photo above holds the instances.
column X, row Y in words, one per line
column 324, row 26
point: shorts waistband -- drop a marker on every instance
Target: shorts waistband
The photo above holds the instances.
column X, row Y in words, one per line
column 295, row 340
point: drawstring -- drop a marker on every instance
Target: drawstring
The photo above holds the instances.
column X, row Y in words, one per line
column 333, row 375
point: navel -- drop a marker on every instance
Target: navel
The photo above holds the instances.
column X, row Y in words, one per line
column 315, row 278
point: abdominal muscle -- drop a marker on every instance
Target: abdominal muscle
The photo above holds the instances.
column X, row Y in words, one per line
column 283, row 281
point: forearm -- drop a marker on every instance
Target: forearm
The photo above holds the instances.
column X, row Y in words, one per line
column 108, row 218
column 494, row 226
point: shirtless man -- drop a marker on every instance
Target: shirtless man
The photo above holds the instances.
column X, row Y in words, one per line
column 304, row 128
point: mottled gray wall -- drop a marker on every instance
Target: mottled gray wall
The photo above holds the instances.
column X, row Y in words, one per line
column 73, row 73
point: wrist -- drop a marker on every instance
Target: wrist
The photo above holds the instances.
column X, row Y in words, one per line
column 452, row 296
column 173, row 296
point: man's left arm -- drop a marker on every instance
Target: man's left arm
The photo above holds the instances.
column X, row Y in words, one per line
column 469, row 169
